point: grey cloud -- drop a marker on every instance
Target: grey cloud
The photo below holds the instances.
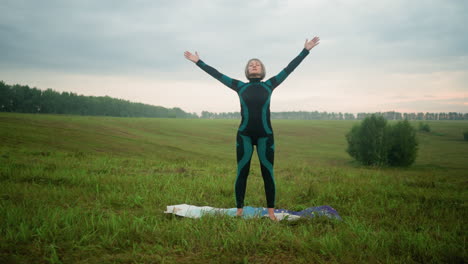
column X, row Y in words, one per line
column 85, row 38
column 133, row 36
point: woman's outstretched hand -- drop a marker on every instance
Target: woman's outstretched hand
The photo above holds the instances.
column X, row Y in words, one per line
column 192, row 57
column 310, row 44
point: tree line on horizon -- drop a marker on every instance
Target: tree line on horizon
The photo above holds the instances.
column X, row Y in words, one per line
column 24, row 99
column 315, row 115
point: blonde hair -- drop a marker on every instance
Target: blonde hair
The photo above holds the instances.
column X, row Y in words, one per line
column 262, row 73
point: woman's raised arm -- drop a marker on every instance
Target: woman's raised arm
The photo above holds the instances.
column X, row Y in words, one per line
column 274, row 81
column 229, row 82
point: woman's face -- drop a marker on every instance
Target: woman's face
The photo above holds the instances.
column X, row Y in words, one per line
column 255, row 68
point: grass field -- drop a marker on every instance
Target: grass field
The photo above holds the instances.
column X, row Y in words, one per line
column 77, row 189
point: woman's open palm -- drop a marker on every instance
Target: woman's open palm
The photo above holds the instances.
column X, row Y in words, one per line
column 192, row 57
column 310, row 44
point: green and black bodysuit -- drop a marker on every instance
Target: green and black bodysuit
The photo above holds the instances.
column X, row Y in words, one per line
column 255, row 128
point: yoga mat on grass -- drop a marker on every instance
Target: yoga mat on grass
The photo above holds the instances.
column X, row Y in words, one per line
column 193, row 211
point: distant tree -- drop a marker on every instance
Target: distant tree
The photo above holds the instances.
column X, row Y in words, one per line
column 420, row 116
column 424, row 127
column 374, row 142
column 348, row 116
column 367, row 141
column 5, row 98
column 398, row 116
column 361, row 116
column 403, row 145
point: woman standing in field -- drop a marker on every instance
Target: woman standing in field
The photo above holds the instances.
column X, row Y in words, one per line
column 255, row 128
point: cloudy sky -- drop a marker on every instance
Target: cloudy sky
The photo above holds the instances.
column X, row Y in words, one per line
column 407, row 56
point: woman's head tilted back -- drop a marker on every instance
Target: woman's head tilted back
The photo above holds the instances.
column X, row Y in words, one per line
column 255, row 69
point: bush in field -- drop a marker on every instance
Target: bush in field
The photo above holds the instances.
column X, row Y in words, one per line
column 424, row 127
column 367, row 142
column 465, row 135
column 402, row 144
column 374, row 142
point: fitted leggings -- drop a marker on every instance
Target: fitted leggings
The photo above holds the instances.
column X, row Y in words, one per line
column 266, row 154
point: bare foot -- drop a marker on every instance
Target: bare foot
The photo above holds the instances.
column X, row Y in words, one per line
column 239, row 211
column 271, row 214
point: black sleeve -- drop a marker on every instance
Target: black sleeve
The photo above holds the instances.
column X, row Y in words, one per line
column 231, row 83
column 280, row 77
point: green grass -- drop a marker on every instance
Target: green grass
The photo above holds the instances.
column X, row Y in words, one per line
column 78, row 189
